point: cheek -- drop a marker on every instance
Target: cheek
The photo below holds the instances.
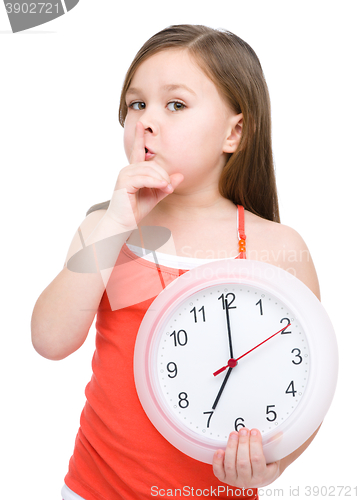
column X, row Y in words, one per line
column 201, row 139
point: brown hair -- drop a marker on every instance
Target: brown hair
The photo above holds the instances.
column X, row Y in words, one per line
column 248, row 177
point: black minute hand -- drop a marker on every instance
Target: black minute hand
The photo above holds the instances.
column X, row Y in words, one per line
column 229, row 329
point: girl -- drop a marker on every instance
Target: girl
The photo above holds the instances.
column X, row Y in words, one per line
column 196, row 117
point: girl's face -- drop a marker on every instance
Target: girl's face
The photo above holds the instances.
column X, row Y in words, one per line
column 189, row 129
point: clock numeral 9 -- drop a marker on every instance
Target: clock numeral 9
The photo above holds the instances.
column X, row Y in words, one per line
column 288, row 323
column 172, row 368
column 180, row 338
column 183, row 401
column 238, row 423
column 297, row 356
column 268, row 412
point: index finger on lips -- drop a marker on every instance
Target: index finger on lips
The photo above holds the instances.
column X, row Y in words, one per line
column 138, row 151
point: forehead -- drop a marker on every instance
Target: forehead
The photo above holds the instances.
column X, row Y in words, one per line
column 171, row 68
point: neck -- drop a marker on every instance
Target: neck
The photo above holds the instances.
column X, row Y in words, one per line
column 196, row 205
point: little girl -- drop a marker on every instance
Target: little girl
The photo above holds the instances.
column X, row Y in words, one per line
column 200, row 180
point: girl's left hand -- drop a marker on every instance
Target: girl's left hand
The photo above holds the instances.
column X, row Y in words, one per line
column 243, row 464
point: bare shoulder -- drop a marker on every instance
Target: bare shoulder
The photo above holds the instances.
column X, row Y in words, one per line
column 281, row 246
column 84, row 231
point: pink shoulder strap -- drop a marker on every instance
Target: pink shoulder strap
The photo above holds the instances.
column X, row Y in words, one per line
column 241, row 233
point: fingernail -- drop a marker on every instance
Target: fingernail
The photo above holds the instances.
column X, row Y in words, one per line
column 254, row 432
column 170, row 187
column 244, row 432
column 234, row 436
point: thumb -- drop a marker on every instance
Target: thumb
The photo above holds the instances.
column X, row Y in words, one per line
column 138, row 151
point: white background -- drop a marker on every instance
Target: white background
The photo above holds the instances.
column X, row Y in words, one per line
column 61, row 150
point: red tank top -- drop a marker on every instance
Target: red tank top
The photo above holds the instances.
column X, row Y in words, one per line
column 118, row 452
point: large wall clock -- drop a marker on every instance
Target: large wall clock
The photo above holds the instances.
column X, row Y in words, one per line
column 232, row 344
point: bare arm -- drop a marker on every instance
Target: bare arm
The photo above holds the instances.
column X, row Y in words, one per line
column 65, row 310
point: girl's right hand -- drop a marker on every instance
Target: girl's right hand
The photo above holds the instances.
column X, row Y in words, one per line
column 140, row 186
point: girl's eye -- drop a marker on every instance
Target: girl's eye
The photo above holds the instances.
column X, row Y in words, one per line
column 175, row 106
column 138, row 105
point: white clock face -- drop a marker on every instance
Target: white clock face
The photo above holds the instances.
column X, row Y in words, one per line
column 222, row 322
column 235, row 344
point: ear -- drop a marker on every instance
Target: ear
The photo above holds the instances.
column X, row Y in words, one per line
column 234, row 134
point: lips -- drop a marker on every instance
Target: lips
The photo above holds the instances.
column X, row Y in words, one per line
column 149, row 153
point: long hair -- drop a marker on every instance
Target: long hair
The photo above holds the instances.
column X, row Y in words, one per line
column 248, row 176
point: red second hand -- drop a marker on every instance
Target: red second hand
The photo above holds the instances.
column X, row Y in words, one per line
column 232, row 362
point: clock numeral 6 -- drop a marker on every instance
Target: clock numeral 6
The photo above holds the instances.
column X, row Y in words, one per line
column 238, row 423
column 180, row 338
column 183, row 401
column 172, row 368
column 268, row 412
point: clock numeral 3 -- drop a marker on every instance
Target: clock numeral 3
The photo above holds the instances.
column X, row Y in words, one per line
column 172, row 368
column 269, row 412
column 288, row 323
column 238, row 423
column 180, row 338
column 183, row 401
column 297, row 356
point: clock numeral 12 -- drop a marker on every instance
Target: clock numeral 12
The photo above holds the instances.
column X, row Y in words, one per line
column 229, row 301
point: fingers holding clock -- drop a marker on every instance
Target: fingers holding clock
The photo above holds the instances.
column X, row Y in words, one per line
column 243, row 464
column 233, row 466
column 262, row 473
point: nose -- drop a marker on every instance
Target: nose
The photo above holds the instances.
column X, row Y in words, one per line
column 149, row 121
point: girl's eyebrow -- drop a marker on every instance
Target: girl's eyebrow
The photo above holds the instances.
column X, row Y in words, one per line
column 167, row 88
column 176, row 86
